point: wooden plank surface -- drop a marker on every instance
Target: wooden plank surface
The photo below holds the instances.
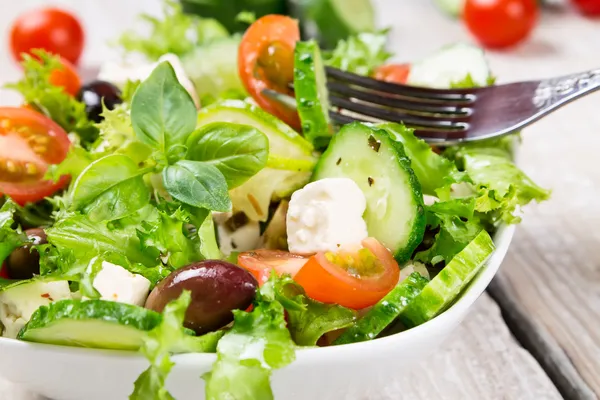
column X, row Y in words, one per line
column 553, row 267
column 481, row 360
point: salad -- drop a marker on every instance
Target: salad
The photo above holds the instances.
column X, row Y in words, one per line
column 170, row 207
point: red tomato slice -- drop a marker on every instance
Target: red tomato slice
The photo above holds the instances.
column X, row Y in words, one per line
column 29, row 142
column 51, row 29
column 67, row 78
column 266, row 60
column 393, row 73
column 260, row 263
column 500, row 23
column 326, row 281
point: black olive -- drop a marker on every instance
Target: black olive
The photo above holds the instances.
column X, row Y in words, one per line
column 24, row 262
column 92, row 95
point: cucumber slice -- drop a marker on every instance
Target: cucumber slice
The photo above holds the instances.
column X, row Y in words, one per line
column 395, row 213
column 285, row 145
column 312, row 98
column 91, row 323
column 213, row 70
column 385, row 311
column 450, row 65
column 445, row 287
column 453, row 8
column 337, row 19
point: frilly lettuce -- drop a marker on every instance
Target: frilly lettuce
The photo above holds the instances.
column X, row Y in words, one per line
column 361, row 53
column 175, row 33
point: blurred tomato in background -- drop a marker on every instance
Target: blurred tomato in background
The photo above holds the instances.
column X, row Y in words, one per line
column 54, row 30
column 589, row 7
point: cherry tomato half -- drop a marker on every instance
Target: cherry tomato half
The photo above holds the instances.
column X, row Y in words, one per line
column 588, row 7
column 393, row 73
column 260, row 263
column 500, row 23
column 325, row 280
column 29, row 142
column 52, row 29
column 66, row 77
column 266, row 60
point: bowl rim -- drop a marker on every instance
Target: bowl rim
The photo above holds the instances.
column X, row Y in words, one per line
column 502, row 240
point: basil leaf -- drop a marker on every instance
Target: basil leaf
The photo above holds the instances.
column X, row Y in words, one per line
column 110, row 188
column 197, row 184
column 238, row 151
column 162, row 112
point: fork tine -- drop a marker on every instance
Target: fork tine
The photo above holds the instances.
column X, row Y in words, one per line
column 448, row 122
column 393, row 101
column 461, row 96
column 440, row 137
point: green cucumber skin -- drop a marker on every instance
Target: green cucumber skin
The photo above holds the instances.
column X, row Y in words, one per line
column 444, row 288
column 311, row 92
column 119, row 314
column 417, row 229
column 385, row 311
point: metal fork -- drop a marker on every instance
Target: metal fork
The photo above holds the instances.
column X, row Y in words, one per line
column 446, row 117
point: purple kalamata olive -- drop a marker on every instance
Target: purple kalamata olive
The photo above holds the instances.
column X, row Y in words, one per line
column 217, row 287
column 24, row 262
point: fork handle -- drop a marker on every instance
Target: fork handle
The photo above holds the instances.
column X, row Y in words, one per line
column 554, row 92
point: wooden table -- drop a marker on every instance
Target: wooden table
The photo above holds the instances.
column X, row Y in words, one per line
column 536, row 334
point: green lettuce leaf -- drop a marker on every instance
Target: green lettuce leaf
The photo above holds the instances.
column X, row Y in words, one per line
column 52, row 100
column 117, row 135
column 361, row 53
column 166, row 230
column 309, row 319
column 457, row 225
column 10, row 238
column 501, row 187
column 435, row 172
column 157, row 347
column 175, row 33
column 257, row 343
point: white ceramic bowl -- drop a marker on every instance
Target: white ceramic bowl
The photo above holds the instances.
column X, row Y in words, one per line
column 338, row 373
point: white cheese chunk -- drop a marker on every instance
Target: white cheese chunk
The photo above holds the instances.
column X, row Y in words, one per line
column 119, row 74
column 244, row 238
column 19, row 303
column 115, row 283
column 326, row 215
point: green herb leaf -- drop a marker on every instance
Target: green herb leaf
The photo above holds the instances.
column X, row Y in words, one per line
column 238, row 151
column 197, row 184
column 110, row 188
column 361, row 53
column 162, row 112
column 257, row 343
column 76, row 161
column 51, row 100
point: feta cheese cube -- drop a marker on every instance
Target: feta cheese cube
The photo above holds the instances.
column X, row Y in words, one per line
column 17, row 304
column 326, row 215
column 115, row 283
